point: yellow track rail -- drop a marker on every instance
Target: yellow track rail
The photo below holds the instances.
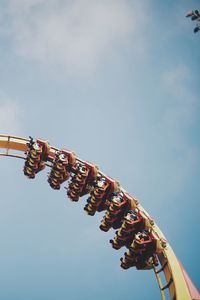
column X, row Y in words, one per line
column 169, row 264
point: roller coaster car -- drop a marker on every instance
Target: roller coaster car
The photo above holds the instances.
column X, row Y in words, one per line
column 143, row 241
column 147, row 264
column 142, row 251
column 82, row 181
column 71, row 157
column 117, row 203
column 147, row 241
column 132, row 223
column 140, row 262
column 63, row 161
column 37, row 155
column 118, row 207
column 103, row 188
column 58, row 171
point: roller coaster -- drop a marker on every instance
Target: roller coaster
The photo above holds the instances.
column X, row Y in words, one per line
column 147, row 247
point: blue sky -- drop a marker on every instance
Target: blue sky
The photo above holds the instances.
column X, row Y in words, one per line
column 117, row 82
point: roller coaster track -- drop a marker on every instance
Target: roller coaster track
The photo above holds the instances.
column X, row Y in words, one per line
column 165, row 261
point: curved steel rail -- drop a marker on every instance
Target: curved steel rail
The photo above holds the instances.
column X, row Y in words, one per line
column 177, row 281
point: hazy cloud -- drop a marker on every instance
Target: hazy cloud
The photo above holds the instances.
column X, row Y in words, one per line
column 181, row 97
column 177, row 119
column 77, row 34
column 10, row 116
column 177, row 81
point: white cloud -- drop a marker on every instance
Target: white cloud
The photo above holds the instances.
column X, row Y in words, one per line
column 176, row 123
column 10, row 116
column 177, row 85
column 177, row 81
column 77, row 34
